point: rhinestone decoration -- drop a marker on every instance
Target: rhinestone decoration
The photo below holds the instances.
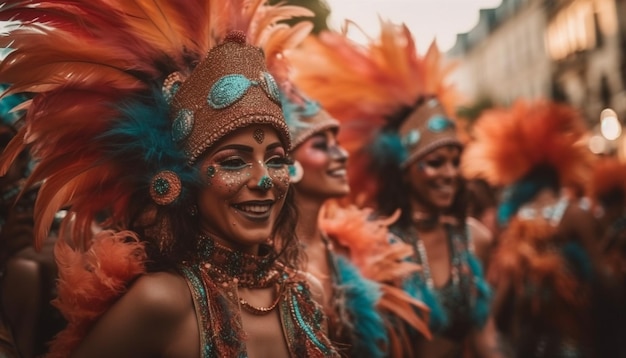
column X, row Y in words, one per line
column 439, row 124
column 412, row 138
column 171, row 85
column 165, row 187
column 258, row 135
column 228, row 90
column 210, row 171
column 266, row 183
column 182, row 126
column 270, row 86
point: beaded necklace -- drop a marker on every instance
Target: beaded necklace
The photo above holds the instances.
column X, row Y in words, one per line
column 214, row 277
column 226, row 266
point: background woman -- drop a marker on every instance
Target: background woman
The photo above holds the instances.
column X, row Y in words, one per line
column 549, row 293
column 393, row 106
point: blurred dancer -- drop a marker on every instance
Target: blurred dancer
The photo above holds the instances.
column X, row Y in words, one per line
column 544, row 267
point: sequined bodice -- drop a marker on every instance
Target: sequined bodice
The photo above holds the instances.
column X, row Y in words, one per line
column 453, row 304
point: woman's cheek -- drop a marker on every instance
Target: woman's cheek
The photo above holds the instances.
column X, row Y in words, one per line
column 229, row 182
column 280, row 178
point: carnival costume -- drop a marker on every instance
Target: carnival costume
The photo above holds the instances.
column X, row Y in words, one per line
column 127, row 96
column 525, row 149
column 392, row 105
column 355, row 320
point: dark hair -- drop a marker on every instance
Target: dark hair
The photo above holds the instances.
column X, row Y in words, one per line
column 480, row 197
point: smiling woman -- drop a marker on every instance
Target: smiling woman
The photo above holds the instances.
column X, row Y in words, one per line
column 171, row 128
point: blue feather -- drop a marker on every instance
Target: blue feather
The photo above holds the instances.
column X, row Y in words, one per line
column 147, row 143
column 362, row 296
column 578, row 260
column 514, row 197
column 482, row 303
column 417, row 288
column 387, row 149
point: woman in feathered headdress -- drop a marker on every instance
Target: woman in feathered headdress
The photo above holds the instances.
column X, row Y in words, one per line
column 543, row 268
column 394, row 106
column 161, row 117
column 347, row 253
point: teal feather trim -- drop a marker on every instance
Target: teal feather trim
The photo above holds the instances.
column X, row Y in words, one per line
column 362, row 296
column 146, row 146
column 482, row 300
column 416, row 287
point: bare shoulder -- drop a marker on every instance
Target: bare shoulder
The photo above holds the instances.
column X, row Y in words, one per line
column 145, row 320
column 480, row 236
column 165, row 293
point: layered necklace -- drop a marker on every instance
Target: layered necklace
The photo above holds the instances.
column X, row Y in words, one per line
column 233, row 269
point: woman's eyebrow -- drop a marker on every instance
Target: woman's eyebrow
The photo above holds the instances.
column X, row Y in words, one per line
column 241, row 147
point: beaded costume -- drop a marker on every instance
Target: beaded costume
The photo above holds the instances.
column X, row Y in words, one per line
column 213, row 280
column 127, row 97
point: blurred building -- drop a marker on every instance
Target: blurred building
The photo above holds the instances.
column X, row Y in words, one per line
column 570, row 50
column 504, row 56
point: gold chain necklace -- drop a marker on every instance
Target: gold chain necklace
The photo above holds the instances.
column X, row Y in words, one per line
column 260, row 311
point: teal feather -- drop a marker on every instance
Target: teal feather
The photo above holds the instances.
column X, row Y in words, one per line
column 482, row 301
column 416, row 287
column 362, row 296
column 387, row 149
column 147, row 145
column 578, row 260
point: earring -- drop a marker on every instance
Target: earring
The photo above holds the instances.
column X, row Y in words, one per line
column 295, row 172
column 193, row 210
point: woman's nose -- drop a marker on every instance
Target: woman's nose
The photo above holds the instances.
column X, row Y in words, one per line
column 260, row 178
column 338, row 153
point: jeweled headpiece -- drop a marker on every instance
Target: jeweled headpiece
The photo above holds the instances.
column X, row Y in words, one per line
column 230, row 89
column 305, row 117
column 426, row 129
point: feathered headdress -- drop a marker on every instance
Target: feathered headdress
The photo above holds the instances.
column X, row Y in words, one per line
column 303, row 115
column 393, row 104
column 518, row 148
column 126, row 97
column 508, row 143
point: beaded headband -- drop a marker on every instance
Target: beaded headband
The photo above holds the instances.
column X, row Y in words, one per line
column 304, row 116
column 230, row 89
column 426, row 129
